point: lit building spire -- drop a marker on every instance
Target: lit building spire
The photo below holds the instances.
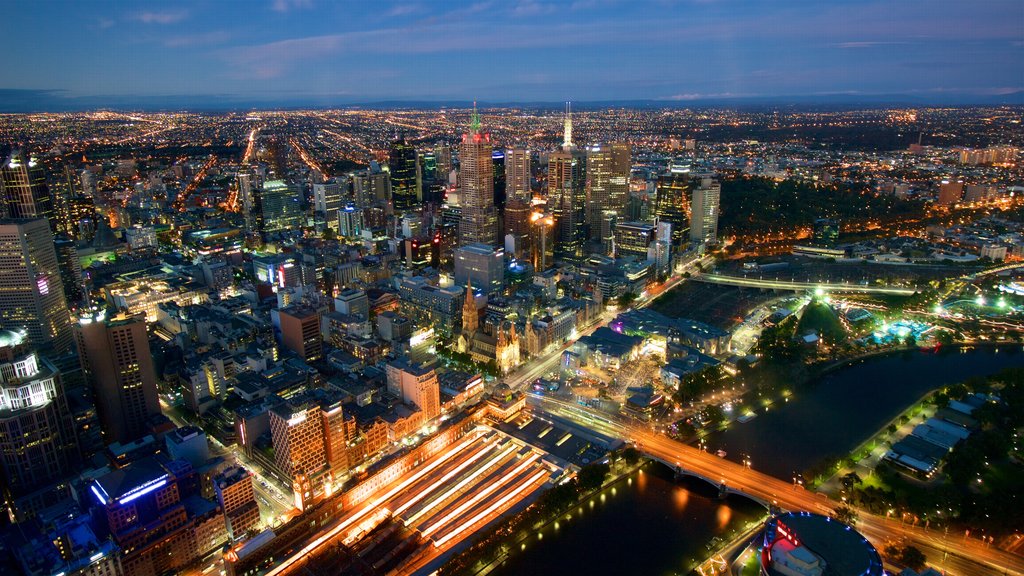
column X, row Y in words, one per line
column 567, row 139
column 474, row 124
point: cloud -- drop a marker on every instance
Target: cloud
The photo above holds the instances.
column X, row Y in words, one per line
column 159, row 17
column 289, row 5
column 404, row 9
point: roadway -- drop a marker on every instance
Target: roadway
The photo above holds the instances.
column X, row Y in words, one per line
column 957, row 555
column 800, row 286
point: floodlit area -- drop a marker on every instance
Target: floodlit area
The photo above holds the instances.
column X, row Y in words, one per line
column 438, row 504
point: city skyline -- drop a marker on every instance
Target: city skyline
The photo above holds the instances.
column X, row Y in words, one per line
column 308, row 53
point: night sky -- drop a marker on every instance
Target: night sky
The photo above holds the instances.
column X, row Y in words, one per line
column 287, row 51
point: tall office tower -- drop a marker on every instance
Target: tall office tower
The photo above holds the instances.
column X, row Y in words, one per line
column 326, row 204
column 672, row 204
column 70, row 272
column 350, row 222
column 444, row 161
column 483, row 264
column 704, row 211
column 82, row 218
column 31, row 290
column 428, row 167
column 237, row 499
column 64, row 189
column 608, row 167
column 300, row 332
column 567, row 195
column 118, row 366
column 498, row 162
column 280, row 206
column 479, row 222
column 415, row 384
column 370, row 188
column 37, row 437
column 25, row 193
column 248, row 196
column 517, row 174
column 406, row 186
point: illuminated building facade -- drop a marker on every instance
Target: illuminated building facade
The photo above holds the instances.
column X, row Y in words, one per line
column 37, row 438
column 479, row 219
column 153, row 513
column 633, row 239
column 25, row 193
column 118, row 365
column 31, row 288
column 517, row 175
column 806, row 544
column 310, row 435
column 704, row 211
column 567, row 198
column 416, row 385
column 672, row 204
column 326, row 204
column 607, row 184
column 238, row 501
column 280, row 206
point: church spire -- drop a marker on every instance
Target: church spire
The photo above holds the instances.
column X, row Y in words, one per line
column 567, row 138
column 470, row 316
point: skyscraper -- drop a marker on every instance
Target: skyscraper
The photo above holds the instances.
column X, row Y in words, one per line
column 37, row 439
column 479, row 222
column 326, row 204
column 704, row 211
column 517, row 174
column 25, row 193
column 500, row 185
column 280, row 206
column 672, row 202
column 567, row 196
column 118, row 365
column 607, row 184
column 31, row 289
column 406, row 185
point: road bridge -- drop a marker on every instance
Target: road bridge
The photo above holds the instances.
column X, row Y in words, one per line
column 769, row 284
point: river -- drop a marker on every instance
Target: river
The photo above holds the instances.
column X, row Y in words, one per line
column 651, row 526
column 834, row 414
column 645, row 524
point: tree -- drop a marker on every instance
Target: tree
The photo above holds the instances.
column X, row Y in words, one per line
column 591, row 477
column 850, row 480
column 626, row 299
column 631, row 455
column 912, row 558
column 846, row 515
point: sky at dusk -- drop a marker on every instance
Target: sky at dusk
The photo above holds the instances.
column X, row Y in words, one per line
column 280, row 51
